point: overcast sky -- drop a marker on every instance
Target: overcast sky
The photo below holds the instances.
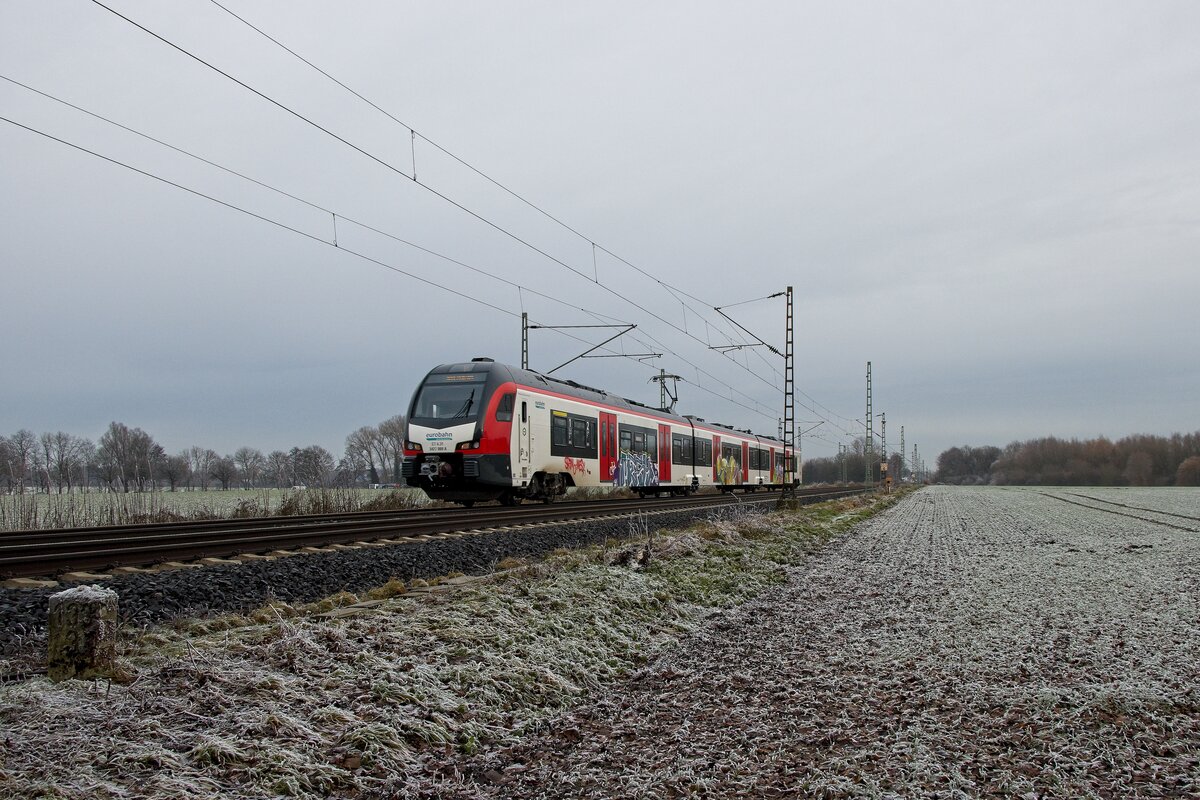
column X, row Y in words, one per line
column 996, row 204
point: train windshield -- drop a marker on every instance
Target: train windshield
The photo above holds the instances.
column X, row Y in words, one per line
column 448, row 401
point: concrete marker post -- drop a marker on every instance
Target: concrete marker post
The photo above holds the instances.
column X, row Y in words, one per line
column 82, row 634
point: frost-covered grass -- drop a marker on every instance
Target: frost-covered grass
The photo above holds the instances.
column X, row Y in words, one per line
column 970, row 642
column 286, row 702
column 84, row 509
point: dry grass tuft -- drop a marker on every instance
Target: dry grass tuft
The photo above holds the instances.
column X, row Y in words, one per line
column 393, row 588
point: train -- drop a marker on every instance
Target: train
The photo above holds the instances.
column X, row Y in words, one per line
column 481, row 431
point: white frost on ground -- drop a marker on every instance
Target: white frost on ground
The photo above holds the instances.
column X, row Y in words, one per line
column 970, row 642
column 288, row 702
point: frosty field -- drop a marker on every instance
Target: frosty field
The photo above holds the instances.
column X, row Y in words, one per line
column 965, row 642
column 969, row 642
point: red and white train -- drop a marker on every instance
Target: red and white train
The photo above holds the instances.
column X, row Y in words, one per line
column 485, row 431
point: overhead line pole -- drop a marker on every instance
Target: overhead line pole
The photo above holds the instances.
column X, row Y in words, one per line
column 869, row 447
column 883, row 437
column 524, row 340
column 787, row 495
column 883, row 452
column 788, row 491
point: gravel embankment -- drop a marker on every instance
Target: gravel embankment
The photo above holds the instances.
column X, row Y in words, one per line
column 969, row 642
column 159, row 596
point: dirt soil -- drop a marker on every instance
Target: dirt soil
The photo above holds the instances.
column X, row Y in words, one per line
column 967, row 643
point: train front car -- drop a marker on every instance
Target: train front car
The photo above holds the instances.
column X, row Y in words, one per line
column 459, row 425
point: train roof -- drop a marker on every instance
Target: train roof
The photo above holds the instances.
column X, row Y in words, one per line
column 502, row 373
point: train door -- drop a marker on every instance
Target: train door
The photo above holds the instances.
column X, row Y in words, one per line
column 664, row 453
column 771, row 467
column 524, row 456
column 608, row 446
column 745, row 462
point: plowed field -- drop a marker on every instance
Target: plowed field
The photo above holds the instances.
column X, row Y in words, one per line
column 970, row 642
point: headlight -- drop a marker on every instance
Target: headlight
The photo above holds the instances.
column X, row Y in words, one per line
column 413, row 446
column 468, row 445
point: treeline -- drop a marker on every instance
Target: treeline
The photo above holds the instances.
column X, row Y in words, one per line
column 852, row 464
column 126, row 459
column 1141, row 460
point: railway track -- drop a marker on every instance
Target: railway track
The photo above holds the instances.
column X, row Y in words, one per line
column 54, row 552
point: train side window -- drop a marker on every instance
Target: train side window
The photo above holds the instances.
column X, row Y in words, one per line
column 558, row 430
column 626, row 441
column 504, row 410
column 579, row 433
column 652, row 446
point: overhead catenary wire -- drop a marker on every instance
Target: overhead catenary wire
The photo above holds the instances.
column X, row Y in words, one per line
column 311, row 237
column 316, row 206
column 455, row 203
column 255, row 215
column 539, row 209
column 521, row 288
column 276, row 223
column 397, row 170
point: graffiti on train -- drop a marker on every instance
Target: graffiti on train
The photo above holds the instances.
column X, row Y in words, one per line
column 729, row 471
column 575, row 466
column 635, row 469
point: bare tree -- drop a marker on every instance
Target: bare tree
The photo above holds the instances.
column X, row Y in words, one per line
column 22, row 447
column 392, row 432
column 362, row 450
column 250, row 463
column 313, row 465
column 1188, row 473
column 176, row 469
column 201, row 459
column 351, row 469
column 279, row 469
column 7, row 458
column 62, row 458
column 224, row 470
column 128, row 456
column 1139, row 469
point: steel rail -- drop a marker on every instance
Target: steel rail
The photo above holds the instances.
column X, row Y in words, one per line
column 37, row 553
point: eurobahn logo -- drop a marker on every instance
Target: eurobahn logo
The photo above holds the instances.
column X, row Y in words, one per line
column 430, row 437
